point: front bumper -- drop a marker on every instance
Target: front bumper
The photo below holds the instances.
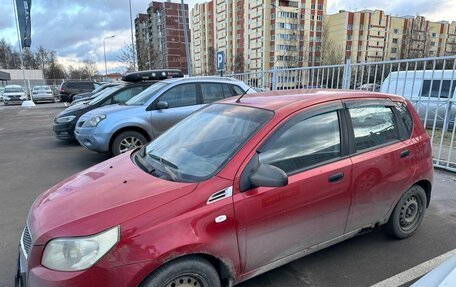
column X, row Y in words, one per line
column 64, row 131
column 91, row 140
column 20, row 278
column 129, row 275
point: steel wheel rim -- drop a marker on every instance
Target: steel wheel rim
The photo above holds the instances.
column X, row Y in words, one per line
column 186, row 280
column 410, row 213
column 129, row 143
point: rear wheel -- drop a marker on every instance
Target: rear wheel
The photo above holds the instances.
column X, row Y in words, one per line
column 126, row 141
column 186, row 272
column 408, row 213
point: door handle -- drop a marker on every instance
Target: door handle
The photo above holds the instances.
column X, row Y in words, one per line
column 405, row 153
column 336, row 177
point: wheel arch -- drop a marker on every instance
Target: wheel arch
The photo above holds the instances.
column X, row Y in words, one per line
column 129, row 128
column 225, row 273
column 427, row 186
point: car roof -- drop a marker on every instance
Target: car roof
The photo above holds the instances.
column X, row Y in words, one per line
column 275, row 100
column 202, row 79
column 13, row 86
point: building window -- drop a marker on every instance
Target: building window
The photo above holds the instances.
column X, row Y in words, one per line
column 349, row 27
column 393, row 50
column 312, row 6
column 348, row 47
column 395, row 40
column 319, row 18
column 349, row 37
column 320, row 6
column 360, row 47
column 433, row 44
column 434, row 35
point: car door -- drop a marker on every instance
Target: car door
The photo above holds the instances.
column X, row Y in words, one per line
column 381, row 166
column 276, row 222
column 181, row 101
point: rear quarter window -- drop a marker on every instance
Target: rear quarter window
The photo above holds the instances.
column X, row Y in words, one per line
column 86, row 86
column 404, row 114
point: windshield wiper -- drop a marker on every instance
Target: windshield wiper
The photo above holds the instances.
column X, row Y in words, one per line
column 149, row 168
column 166, row 164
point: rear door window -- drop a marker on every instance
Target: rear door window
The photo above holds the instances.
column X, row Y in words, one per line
column 431, row 88
column 373, row 126
column 211, row 92
column 72, row 85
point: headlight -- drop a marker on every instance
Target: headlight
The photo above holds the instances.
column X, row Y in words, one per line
column 66, row 119
column 94, row 121
column 78, row 253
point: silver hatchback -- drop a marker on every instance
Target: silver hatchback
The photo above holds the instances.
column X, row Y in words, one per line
column 120, row 128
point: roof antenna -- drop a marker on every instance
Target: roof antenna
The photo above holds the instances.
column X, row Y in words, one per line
column 239, row 99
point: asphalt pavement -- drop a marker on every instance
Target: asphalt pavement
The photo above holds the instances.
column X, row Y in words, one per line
column 32, row 160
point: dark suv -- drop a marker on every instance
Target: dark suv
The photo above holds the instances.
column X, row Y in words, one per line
column 72, row 87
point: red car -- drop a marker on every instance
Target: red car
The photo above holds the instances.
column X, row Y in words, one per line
column 234, row 190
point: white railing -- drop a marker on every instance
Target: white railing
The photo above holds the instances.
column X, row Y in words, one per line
column 429, row 83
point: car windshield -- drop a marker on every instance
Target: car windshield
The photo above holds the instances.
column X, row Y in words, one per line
column 199, row 146
column 143, row 97
column 14, row 90
column 103, row 94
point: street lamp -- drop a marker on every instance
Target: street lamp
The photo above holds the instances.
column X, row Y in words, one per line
column 132, row 39
column 104, row 49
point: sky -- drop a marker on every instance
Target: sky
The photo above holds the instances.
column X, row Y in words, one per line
column 75, row 28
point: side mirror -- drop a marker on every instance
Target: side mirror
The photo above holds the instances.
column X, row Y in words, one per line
column 161, row 105
column 269, row 176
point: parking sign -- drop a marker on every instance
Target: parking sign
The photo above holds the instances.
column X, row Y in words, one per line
column 220, row 61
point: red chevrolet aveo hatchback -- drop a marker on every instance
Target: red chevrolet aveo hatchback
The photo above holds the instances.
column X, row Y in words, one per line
column 234, row 190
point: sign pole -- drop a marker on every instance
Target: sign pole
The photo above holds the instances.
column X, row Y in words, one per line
column 21, row 52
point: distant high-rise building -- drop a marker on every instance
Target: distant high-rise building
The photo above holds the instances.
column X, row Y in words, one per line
column 371, row 35
column 160, row 37
column 258, row 35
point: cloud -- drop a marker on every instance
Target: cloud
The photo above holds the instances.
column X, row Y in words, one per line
column 433, row 10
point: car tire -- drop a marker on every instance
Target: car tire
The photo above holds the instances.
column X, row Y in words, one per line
column 123, row 140
column 190, row 271
column 407, row 214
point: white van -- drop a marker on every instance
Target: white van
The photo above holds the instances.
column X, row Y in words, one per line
column 429, row 91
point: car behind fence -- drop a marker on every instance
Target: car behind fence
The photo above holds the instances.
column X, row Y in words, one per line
column 429, row 83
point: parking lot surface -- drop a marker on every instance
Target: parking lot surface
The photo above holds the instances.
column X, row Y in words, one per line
column 32, row 160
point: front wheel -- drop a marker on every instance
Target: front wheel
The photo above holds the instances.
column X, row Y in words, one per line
column 126, row 141
column 408, row 213
column 185, row 272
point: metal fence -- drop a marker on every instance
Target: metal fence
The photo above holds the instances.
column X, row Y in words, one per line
column 429, row 83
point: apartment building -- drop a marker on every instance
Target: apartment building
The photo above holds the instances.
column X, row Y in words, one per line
column 203, row 48
column 160, row 37
column 371, row 35
column 258, row 35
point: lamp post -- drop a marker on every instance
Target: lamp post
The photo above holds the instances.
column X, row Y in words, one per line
column 132, row 39
column 104, row 50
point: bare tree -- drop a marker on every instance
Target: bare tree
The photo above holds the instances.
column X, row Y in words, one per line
column 331, row 52
column 127, row 57
column 416, row 42
column 239, row 62
column 211, row 61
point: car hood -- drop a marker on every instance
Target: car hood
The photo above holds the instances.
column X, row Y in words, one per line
column 112, row 109
column 100, row 197
column 72, row 108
